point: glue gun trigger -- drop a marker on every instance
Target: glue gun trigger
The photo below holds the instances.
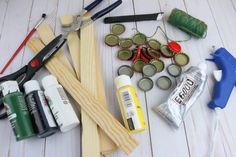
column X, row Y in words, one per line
column 217, row 75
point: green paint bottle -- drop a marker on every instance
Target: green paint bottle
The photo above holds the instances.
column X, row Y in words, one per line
column 17, row 111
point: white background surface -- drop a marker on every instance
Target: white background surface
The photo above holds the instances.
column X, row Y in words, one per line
column 17, row 17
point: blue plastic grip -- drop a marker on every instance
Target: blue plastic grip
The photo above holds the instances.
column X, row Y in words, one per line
column 106, row 10
column 222, row 90
column 92, row 5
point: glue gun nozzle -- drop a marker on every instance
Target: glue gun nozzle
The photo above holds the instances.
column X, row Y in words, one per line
column 211, row 60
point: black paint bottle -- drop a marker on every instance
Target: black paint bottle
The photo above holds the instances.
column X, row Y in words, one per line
column 40, row 112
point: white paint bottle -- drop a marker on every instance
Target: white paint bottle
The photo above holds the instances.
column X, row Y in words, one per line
column 59, row 103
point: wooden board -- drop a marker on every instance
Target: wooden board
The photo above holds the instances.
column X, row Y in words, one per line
column 90, row 134
column 92, row 106
column 106, row 144
column 73, row 43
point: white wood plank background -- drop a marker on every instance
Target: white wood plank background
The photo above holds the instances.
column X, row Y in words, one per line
column 160, row 140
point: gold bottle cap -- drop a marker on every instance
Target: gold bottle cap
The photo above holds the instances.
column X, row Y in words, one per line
column 124, row 54
column 111, row 40
column 118, row 29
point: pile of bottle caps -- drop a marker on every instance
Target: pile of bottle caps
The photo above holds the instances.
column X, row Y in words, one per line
column 145, row 54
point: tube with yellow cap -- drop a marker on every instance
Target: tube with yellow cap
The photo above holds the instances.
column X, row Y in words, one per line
column 129, row 104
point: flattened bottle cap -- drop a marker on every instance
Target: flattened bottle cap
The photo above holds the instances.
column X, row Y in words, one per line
column 166, row 52
column 159, row 64
column 181, row 59
column 174, row 70
column 174, row 47
column 153, row 53
column 112, row 40
column 125, row 70
column 124, row 54
column 126, row 43
column 138, row 65
column 139, row 39
column 145, row 84
column 118, row 29
column 154, row 44
column 149, row 70
column 164, row 82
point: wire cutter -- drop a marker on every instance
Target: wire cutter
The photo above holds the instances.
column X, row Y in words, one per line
column 28, row 71
column 81, row 20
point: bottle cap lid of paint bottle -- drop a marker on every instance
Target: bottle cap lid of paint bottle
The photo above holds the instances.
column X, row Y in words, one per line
column 48, row 81
column 9, row 87
column 31, row 86
column 122, row 80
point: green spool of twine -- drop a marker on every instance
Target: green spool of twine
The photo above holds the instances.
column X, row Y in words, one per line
column 188, row 23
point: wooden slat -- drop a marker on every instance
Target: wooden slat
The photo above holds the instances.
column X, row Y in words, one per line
column 90, row 134
column 92, row 106
column 73, row 43
column 106, row 144
column 90, row 68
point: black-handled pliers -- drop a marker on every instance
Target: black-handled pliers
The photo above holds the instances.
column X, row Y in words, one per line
column 80, row 20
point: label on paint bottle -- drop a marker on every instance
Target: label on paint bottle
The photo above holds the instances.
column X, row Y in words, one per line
column 46, row 109
column 130, row 110
column 130, row 106
column 59, row 103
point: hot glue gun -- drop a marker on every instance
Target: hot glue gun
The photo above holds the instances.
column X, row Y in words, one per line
column 225, row 77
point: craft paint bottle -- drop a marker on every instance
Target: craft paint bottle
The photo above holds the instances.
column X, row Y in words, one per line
column 129, row 104
column 41, row 115
column 59, row 103
column 17, row 111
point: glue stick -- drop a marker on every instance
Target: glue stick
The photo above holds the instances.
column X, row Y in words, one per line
column 129, row 104
column 59, row 103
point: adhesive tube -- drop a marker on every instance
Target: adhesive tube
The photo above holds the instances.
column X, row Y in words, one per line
column 190, row 86
column 59, row 103
column 17, row 111
column 41, row 115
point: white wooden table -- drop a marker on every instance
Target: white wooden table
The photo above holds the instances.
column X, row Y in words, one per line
column 17, row 17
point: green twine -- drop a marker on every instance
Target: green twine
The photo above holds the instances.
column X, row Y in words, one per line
column 187, row 23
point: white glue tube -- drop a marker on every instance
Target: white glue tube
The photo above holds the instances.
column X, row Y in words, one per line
column 59, row 103
column 182, row 98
